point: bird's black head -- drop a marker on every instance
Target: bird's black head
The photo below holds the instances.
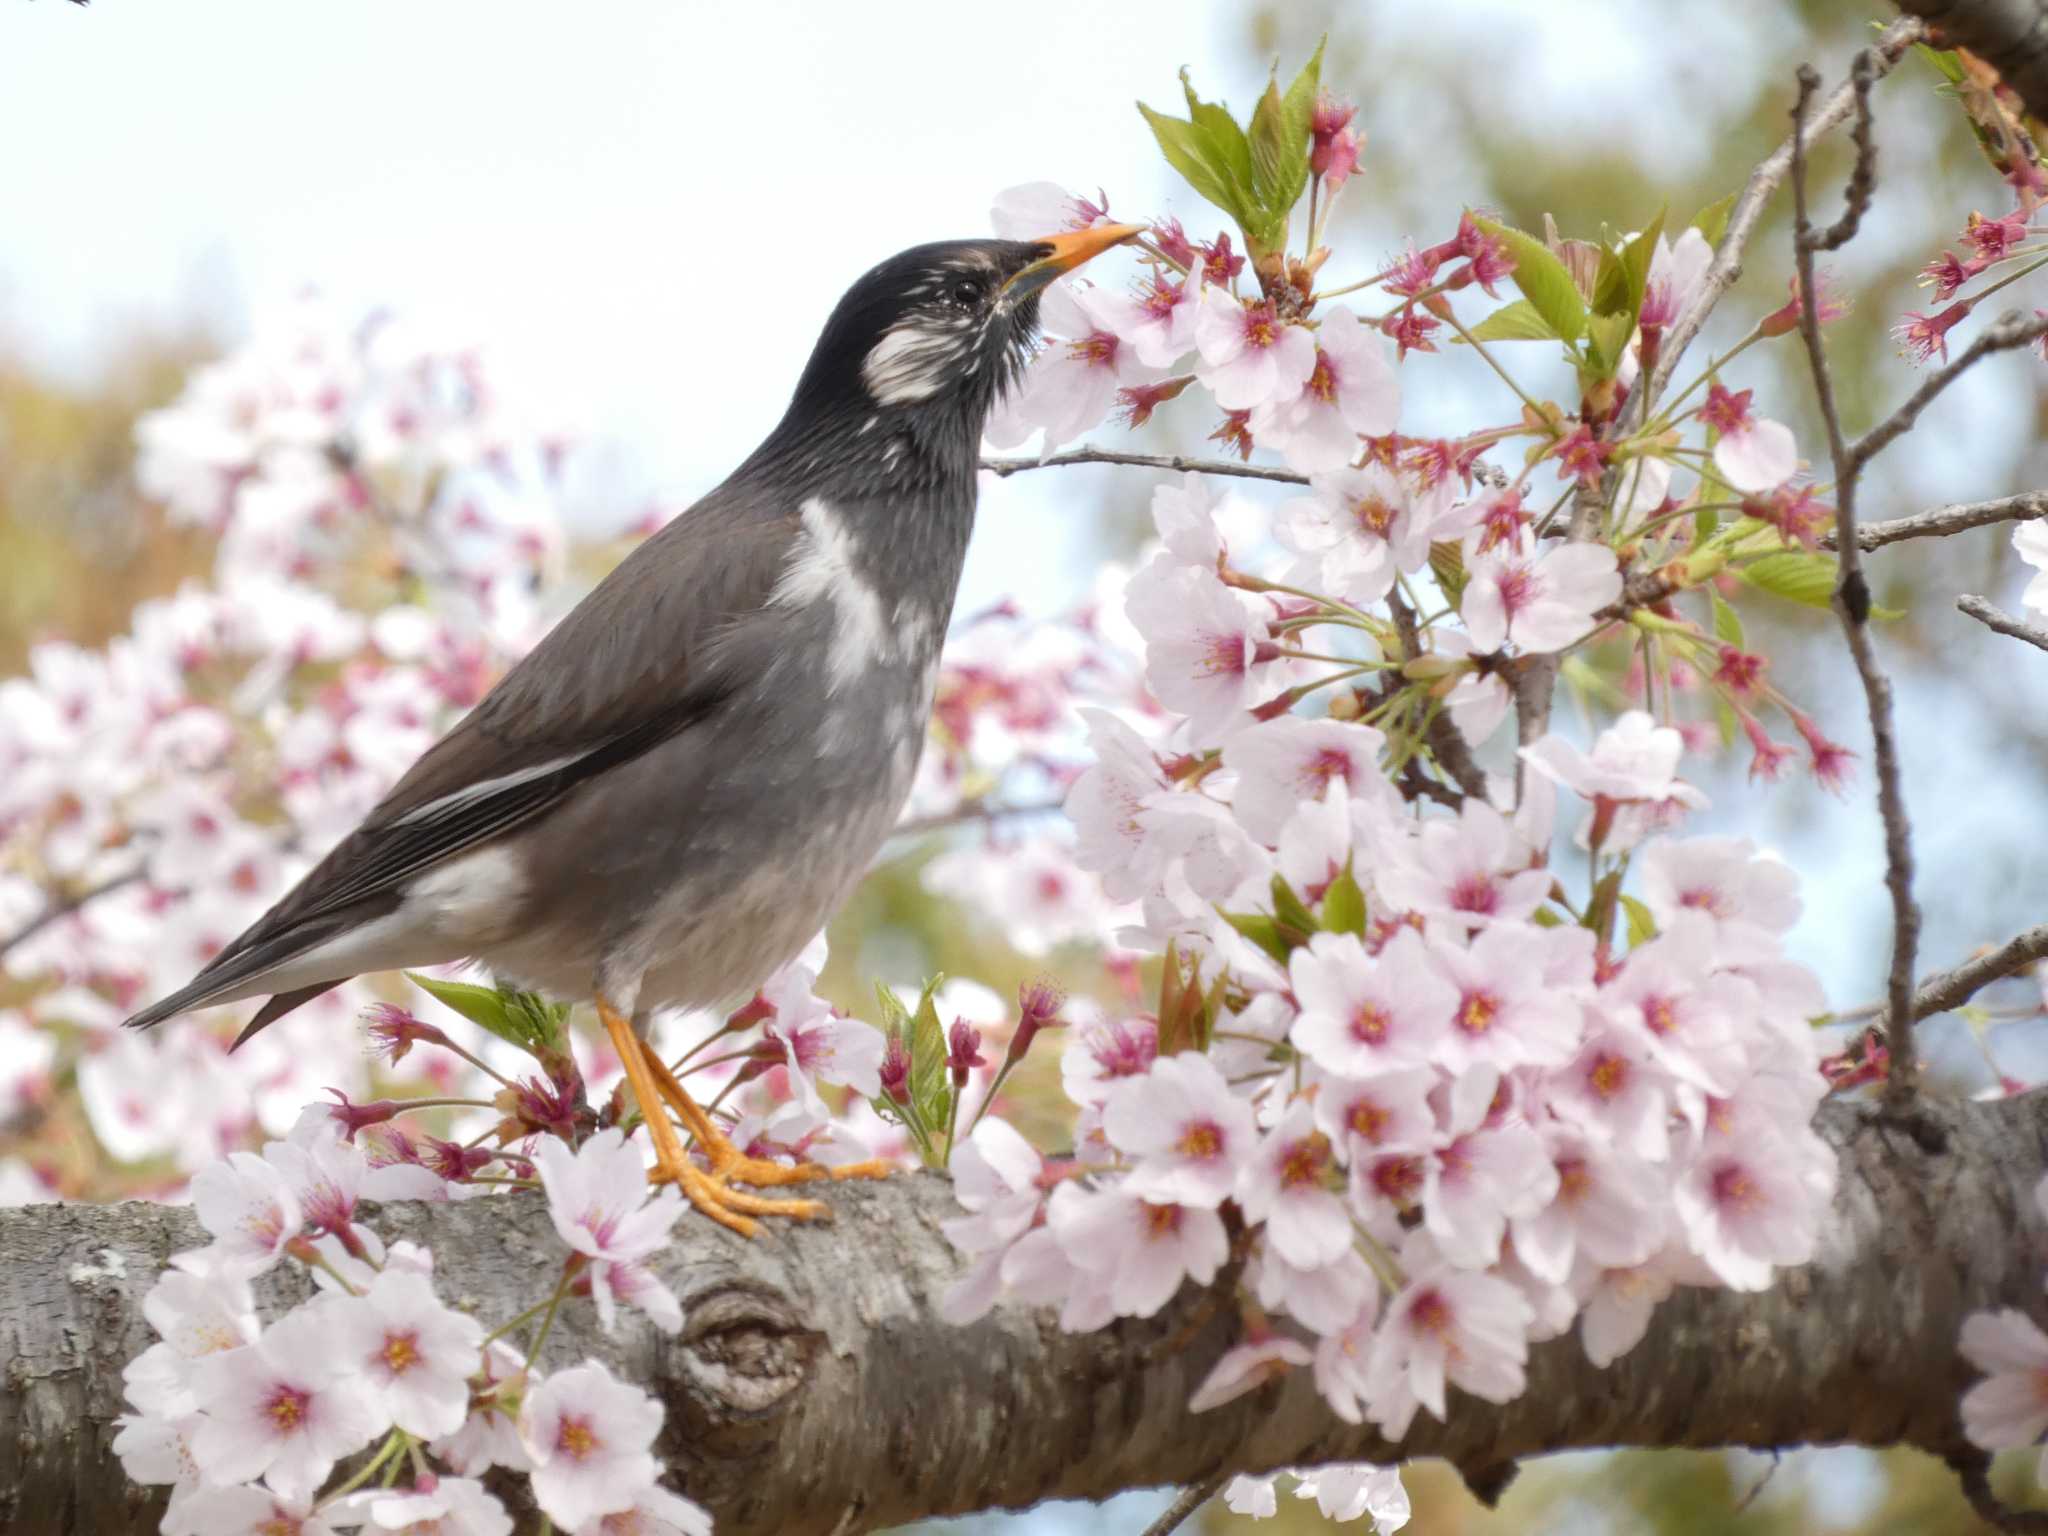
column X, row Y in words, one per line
column 919, row 350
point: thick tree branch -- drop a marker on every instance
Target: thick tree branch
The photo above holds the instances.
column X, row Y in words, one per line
column 2009, row 35
column 814, row 1389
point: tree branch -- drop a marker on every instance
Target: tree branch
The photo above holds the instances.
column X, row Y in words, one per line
column 2002, row 335
column 2009, row 35
column 814, row 1388
column 1852, row 590
column 1756, row 194
column 1004, row 468
column 1952, row 988
column 2003, row 622
column 1940, row 522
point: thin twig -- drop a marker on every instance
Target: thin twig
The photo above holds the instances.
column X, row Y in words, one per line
column 1447, row 744
column 59, row 910
column 1940, row 522
column 1863, row 178
column 1749, row 205
column 1003, row 468
column 1973, row 1471
column 1192, row 1498
column 1952, row 988
column 978, row 810
column 2002, row 335
column 2003, row 622
column 1852, row 599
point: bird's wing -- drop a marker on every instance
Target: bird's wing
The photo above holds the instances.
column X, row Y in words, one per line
column 636, row 662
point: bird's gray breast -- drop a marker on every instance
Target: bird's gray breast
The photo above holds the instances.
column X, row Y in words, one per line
column 715, row 856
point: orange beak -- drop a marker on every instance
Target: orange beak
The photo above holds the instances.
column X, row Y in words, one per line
column 1066, row 252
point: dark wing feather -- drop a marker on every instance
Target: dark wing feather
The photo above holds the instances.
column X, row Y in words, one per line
column 636, row 662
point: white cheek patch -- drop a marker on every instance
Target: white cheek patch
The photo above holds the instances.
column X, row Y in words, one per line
column 909, row 364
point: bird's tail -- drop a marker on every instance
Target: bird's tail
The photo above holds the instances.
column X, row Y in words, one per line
column 237, row 972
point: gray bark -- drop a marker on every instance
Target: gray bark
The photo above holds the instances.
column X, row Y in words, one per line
column 814, row 1389
column 2009, row 35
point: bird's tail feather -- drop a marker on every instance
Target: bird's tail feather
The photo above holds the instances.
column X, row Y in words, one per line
column 237, row 972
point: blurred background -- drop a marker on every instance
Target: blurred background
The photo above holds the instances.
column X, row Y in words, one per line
column 642, row 212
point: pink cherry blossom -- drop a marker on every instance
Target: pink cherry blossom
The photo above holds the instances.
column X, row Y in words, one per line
column 1107, row 806
column 1753, row 453
column 1364, row 1015
column 1687, row 1015
column 1745, row 1210
column 1143, row 1250
column 590, row 1437
column 285, row 1408
column 1038, row 208
column 1281, row 763
column 1752, row 900
column 242, row 1510
column 1072, row 385
column 1285, row 1184
column 598, row 1200
column 1246, row 1368
column 1508, row 1013
column 489, row 1437
column 1475, row 871
column 1201, row 644
column 1188, row 1132
column 1158, row 324
column 2009, row 1408
column 1097, row 1057
column 1446, row 1327
column 1386, row 1111
column 656, row 1512
column 1481, row 1176
column 248, row 1206
column 2031, row 542
column 1537, row 602
column 1347, row 1492
column 452, row 1506
column 413, row 1355
column 1350, row 392
column 1608, row 1207
column 1617, row 1313
column 1249, row 356
column 1631, row 776
column 1326, row 1299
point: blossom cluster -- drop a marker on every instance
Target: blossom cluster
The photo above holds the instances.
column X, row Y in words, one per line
column 247, row 1422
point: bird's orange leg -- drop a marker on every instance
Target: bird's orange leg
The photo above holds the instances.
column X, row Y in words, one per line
column 727, row 1160
column 707, row 1191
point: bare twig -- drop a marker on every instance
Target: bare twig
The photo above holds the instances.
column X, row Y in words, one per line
column 57, row 911
column 2003, row 622
column 1192, row 1498
column 2002, row 335
column 1943, row 521
column 1852, row 590
column 1863, row 178
column 1447, row 744
column 1952, row 988
column 977, row 810
column 1750, row 202
column 1974, row 1473
column 1003, row 468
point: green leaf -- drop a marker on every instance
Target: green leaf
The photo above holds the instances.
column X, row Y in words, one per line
column 1712, row 220
column 1618, row 290
column 1206, row 166
column 1641, row 926
column 1606, row 338
column 1289, row 908
column 1543, row 280
column 1279, row 142
column 1515, row 321
column 1447, row 565
column 895, row 1017
column 1344, row 904
column 1600, row 909
column 1943, row 62
column 930, row 1090
column 1794, row 574
column 1544, row 917
column 489, row 1008
column 1261, row 930
column 1727, row 622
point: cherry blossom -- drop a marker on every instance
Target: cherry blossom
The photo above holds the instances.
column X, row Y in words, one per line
column 1446, row 1327
column 1537, row 602
column 1350, row 392
column 285, row 1408
column 1630, row 776
column 453, row 1506
column 1247, row 1367
column 590, row 1438
column 1202, row 645
column 1753, row 453
column 2009, row 1408
column 249, row 1207
column 414, row 1355
column 598, row 1201
column 1507, row 1011
column 1250, row 357
column 1285, row 1184
column 1189, row 1133
column 1363, row 1015
column 1143, row 1249
column 1744, row 1210
column 2031, row 541
column 1073, row 383
column 656, row 1512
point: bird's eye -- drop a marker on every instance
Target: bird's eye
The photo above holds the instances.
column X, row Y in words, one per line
column 966, row 292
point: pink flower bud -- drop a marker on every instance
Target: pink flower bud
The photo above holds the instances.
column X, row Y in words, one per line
column 895, row 1070
column 963, row 1051
column 395, row 1030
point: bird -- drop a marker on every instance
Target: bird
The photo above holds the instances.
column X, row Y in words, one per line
column 672, row 792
